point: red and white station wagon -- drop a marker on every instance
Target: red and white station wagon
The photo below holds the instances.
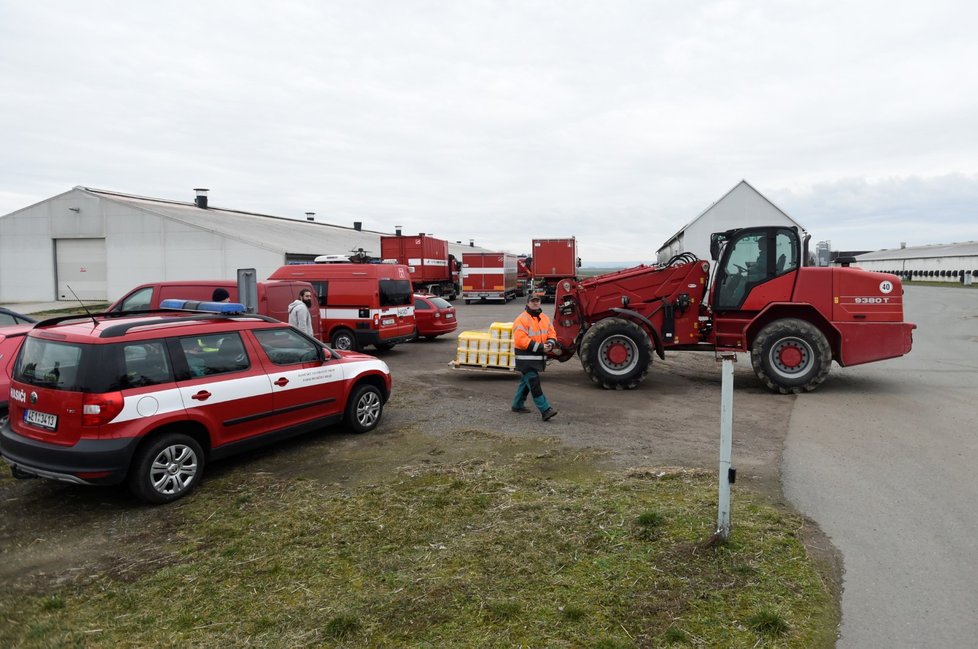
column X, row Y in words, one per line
column 151, row 399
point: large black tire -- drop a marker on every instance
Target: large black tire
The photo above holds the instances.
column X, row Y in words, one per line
column 344, row 340
column 364, row 409
column 616, row 354
column 791, row 356
column 166, row 468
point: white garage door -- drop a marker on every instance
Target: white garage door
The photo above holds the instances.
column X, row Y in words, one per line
column 81, row 266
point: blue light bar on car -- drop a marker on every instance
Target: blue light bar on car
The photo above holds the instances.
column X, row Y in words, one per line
column 207, row 307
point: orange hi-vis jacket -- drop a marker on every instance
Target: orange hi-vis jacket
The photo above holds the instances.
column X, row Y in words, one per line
column 529, row 336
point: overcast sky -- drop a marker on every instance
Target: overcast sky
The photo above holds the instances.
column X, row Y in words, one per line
column 614, row 121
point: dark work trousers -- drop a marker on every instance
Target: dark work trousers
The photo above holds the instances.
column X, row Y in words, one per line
column 530, row 384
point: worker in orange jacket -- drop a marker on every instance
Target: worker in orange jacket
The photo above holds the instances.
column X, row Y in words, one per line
column 533, row 337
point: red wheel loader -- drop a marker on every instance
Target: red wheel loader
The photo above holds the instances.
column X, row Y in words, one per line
column 793, row 320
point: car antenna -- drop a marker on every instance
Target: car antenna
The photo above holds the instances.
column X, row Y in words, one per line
column 94, row 321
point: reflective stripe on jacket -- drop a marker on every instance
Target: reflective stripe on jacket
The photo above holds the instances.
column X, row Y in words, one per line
column 529, row 336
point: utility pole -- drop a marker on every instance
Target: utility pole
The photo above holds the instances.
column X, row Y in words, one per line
column 727, row 474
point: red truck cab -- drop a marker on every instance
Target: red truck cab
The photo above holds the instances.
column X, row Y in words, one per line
column 273, row 297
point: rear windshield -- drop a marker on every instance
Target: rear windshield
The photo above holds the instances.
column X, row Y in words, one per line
column 440, row 302
column 396, row 292
column 51, row 364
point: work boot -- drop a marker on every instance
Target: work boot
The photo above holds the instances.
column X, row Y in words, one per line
column 520, row 409
column 549, row 414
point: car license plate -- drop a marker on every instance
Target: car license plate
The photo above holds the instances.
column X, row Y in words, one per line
column 449, row 316
column 41, row 419
column 387, row 321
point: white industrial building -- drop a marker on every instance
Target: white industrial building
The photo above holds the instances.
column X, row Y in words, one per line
column 952, row 262
column 103, row 243
column 741, row 207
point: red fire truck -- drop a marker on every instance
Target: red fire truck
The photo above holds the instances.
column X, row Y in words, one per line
column 488, row 276
column 553, row 260
column 433, row 270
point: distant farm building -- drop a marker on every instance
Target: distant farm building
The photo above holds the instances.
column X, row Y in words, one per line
column 741, row 207
column 102, row 243
column 952, row 262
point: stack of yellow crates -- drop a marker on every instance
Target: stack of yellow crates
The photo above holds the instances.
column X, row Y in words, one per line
column 501, row 344
column 493, row 349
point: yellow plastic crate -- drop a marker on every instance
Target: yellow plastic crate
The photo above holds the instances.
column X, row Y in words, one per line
column 501, row 330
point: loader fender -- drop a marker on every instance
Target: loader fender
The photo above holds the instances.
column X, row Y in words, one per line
column 653, row 332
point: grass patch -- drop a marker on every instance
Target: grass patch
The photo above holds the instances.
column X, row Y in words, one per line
column 468, row 556
column 769, row 623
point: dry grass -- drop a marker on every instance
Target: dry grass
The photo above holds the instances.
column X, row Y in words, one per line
column 472, row 555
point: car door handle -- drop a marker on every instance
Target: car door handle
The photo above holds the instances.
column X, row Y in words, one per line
column 282, row 382
column 203, row 395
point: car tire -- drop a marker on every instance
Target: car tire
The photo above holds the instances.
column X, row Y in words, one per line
column 364, row 409
column 344, row 340
column 166, row 468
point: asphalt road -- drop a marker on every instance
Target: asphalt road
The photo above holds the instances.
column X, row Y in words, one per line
column 885, row 458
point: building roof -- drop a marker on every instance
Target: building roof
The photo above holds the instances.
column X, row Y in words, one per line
column 720, row 200
column 275, row 233
column 963, row 249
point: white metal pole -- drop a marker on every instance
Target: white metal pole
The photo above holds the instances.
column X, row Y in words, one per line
column 726, row 446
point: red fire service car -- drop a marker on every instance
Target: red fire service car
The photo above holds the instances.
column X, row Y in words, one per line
column 10, row 339
column 150, row 399
column 433, row 316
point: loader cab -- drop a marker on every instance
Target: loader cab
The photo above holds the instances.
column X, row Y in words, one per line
column 751, row 257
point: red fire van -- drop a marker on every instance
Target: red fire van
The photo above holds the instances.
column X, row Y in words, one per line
column 359, row 304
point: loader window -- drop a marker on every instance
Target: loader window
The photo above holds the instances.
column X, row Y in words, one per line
column 786, row 253
column 750, row 262
column 744, row 266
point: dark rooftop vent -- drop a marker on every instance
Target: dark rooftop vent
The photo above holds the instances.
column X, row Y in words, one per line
column 201, row 200
column 471, row 243
column 310, row 216
column 358, row 225
column 397, row 230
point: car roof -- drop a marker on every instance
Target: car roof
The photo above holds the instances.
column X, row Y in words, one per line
column 145, row 325
column 11, row 331
column 17, row 315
